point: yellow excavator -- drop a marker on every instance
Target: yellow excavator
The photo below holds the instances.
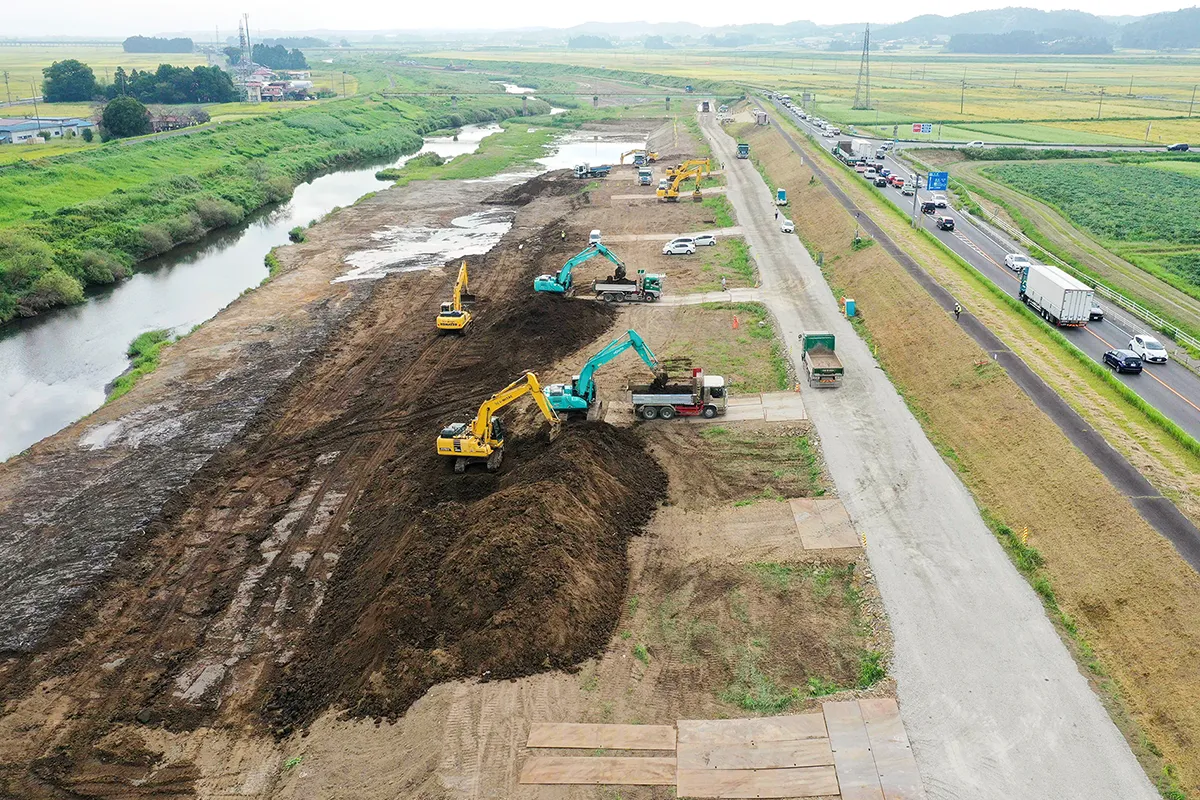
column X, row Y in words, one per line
column 668, row 189
column 640, row 156
column 703, row 163
column 454, row 315
column 482, row 439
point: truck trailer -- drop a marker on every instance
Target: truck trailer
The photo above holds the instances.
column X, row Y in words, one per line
column 1058, row 297
column 704, row 396
column 642, row 289
column 821, row 362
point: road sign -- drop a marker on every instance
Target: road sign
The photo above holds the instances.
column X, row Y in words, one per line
column 922, row 127
column 937, row 181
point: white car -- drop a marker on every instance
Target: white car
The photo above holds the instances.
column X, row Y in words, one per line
column 679, row 247
column 870, row 174
column 1148, row 348
column 786, row 226
column 1017, row 261
column 939, row 200
column 705, row 240
column 975, row 143
column 908, row 190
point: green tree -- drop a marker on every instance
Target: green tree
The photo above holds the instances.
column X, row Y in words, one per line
column 87, row 134
column 69, row 81
column 124, row 117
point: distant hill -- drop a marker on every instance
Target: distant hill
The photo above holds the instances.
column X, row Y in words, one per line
column 1002, row 20
column 1167, row 31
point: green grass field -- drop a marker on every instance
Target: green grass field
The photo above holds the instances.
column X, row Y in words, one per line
column 1061, row 95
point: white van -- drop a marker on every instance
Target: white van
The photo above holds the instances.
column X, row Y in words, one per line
column 594, row 238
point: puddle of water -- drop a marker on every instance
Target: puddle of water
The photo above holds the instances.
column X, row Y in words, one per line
column 449, row 147
column 407, row 249
column 512, row 88
column 588, row 148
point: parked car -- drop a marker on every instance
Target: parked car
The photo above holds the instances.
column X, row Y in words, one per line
column 880, row 180
column 907, row 190
column 928, row 207
column 976, row 143
column 1181, row 147
column 945, row 223
column 786, row 226
column 1123, row 361
column 679, row 247
column 1096, row 312
column 705, row 240
column 939, row 200
column 1148, row 349
column 1017, row 261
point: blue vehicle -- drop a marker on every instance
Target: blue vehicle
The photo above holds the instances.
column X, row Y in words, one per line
column 580, row 394
column 561, row 283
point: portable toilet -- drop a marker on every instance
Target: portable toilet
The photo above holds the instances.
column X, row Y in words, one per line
column 781, row 197
column 849, row 307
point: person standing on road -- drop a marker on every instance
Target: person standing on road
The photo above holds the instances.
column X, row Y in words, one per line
column 562, row 235
column 777, row 215
column 957, row 311
column 722, row 283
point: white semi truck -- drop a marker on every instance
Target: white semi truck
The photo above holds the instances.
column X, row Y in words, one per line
column 1058, row 297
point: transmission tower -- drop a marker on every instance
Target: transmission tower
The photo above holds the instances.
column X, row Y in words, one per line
column 862, row 94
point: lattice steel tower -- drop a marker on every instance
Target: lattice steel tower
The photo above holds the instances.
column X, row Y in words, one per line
column 862, row 94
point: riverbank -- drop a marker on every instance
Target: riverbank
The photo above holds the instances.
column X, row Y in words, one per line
column 85, row 219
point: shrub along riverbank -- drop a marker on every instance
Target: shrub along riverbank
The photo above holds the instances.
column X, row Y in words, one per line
column 78, row 220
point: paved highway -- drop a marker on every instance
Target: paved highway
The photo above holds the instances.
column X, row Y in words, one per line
column 1170, row 387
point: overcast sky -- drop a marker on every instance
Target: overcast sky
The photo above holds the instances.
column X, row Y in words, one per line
column 147, row 17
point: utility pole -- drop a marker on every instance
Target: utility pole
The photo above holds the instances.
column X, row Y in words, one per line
column 1066, row 77
column 1014, row 79
column 33, row 94
column 1101, row 108
column 1190, row 105
column 1131, row 86
column 962, row 98
column 7, row 92
column 916, row 182
column 862, row 92
column 343, row 83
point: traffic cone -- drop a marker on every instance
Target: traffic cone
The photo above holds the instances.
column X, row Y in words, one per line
column 735, row 323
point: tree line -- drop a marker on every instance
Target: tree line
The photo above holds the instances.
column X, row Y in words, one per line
column 270, row 56
column 72, row 81
column 154, row 44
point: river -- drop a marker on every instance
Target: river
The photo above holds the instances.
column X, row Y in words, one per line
column 54, row 368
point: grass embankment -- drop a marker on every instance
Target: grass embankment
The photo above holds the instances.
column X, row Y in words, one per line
column 143, row 355
column 518, row 145
column 729, row 259
column 1126, row 604
column 84, row 219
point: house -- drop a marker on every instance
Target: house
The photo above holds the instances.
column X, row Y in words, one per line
column 28, row 130
column 298, row 74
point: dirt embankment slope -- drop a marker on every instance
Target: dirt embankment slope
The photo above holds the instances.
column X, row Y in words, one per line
column 327, row 556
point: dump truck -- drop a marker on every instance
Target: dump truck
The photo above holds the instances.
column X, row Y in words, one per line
column 587, row 171
column 704, row 396
column 646, row 177
column 743, row 150
column 617, row 289
column 704, row 106
column 1058, row 297
column 821, row 362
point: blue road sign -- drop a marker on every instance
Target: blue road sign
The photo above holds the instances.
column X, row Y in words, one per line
column 937, row 181
column 926, row 127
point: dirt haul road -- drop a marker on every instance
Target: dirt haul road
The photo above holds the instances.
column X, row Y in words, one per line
column 994, row 705
column 328, row 556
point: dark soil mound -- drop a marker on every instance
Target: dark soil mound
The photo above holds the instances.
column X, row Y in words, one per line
column 458, row 582
column 559, row 183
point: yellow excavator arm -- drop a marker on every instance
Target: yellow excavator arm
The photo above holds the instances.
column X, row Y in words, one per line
column 482, row 439
column 453, row 317
column 702, row 163
column 681, row 175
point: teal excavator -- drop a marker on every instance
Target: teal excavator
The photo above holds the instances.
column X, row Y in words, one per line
column 580, row 394
column 561, row 283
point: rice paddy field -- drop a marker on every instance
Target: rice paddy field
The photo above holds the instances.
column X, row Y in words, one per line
column 1128, row 98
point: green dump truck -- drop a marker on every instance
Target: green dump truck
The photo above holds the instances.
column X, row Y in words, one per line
column 821, row 363
column 743, row 150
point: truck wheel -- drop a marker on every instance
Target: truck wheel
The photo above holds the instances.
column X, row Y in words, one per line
column 709, row 412
column 622, row 297
column 666, row 412
column 608, row 297
column 649, row 412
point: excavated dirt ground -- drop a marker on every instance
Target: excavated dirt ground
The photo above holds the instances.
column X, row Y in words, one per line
column 324, row 609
